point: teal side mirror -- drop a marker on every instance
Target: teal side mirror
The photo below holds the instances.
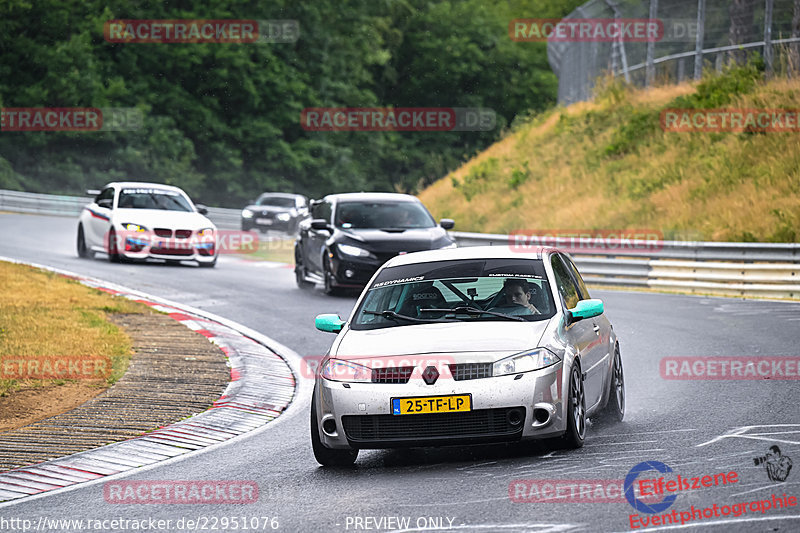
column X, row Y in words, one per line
column 587, row 309
column 329, row 322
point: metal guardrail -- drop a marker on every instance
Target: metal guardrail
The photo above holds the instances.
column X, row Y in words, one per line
column 729, row 268
column 49, row 204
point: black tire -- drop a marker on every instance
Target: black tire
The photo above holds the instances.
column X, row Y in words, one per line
column 210, row 264
column 614, row 411
column 576, row 410
column 300, row 272
column 83, row 251
column 113, row 254
column 330, row 288
column 327, row 456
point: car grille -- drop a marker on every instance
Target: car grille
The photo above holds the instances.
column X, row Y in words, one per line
column 480, row 423
column 163, row 232
column 465, row 371
column 400, row 374
column 171, row 251
column 183, row 233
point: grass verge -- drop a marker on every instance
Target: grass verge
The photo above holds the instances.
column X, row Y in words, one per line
column 44, row 314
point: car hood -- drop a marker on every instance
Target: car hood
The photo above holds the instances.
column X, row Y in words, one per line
column 498, row 338
column 159, row 218
column 410, row 240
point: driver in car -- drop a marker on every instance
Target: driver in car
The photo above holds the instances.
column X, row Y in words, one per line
column 518, row 292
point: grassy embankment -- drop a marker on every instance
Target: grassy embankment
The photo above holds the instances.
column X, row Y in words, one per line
column 607, row 164
column 42, row 313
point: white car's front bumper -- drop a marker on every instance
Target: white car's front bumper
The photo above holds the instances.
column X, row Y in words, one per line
column 363, row 416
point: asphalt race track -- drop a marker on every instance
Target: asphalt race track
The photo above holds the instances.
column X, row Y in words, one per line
column 678, row 423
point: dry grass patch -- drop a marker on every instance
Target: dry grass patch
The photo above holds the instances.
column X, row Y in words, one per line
column 44, row 314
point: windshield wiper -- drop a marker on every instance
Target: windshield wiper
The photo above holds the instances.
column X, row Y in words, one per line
column 474, row 311
column 398, row 316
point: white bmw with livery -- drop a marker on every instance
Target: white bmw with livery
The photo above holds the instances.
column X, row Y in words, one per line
column 137, row 221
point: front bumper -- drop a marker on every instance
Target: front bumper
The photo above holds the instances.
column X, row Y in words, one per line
column 137, row 248
column 266, row 224
column 363, row 417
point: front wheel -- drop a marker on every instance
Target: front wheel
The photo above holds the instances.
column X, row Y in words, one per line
column 83, row 251
column 576, row 410
column 328, row 456
column 330, row 288
column 113, row 252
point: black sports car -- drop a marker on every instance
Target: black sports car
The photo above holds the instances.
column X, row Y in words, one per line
column 275, row 211
column 349, row 236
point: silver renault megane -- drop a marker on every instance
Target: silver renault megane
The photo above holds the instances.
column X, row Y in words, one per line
column 466, row 346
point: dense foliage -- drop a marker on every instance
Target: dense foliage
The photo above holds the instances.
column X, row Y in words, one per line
column 222, row 120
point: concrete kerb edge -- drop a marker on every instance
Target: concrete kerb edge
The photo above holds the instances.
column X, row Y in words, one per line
column 289, row 410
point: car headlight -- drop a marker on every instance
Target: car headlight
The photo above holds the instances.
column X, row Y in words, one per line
column 134, row 227
column 354, row 251
column 246, row 213
column 283, row 217
column 525, row 362
column 340, row 370
column 206, row 232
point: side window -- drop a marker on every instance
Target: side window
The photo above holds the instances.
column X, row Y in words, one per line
column 584, row 292
column 322, row 210
column 105, row 194
column 566, row 287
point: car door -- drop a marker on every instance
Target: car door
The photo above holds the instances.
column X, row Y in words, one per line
column 600, row 325
column 99, row 222
column 581, row 334
column 315, row 241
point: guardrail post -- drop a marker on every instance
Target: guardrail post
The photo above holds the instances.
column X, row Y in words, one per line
column 698, row 43
column 768, row 38
column 650, row 71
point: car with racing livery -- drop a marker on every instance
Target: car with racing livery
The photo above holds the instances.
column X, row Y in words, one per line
column 466, row 346
column 138, row 220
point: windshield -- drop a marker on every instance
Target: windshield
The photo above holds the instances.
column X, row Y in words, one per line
column 377, row 215
column 443, row 291
column 153, row 199
column 276, row 201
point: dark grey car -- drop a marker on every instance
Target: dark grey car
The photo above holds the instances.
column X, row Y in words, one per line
column 275, row 211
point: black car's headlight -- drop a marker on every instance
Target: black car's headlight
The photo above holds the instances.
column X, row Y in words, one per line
column 246, row 213
column 341, row 370
column 525, row 362
column 283, row 217
column 353, row 251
